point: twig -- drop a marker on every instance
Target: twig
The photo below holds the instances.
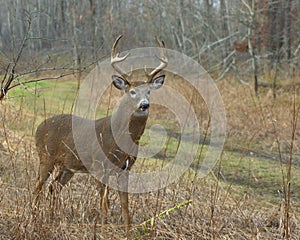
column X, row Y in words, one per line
column 11, row 74
column 165, row 213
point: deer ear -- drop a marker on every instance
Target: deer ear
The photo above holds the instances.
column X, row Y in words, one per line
column 156, row 83
column 120, row 83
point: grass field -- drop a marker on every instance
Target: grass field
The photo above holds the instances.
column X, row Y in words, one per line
column 253, row 191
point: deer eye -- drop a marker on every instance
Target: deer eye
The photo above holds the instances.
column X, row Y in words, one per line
column 132, row 93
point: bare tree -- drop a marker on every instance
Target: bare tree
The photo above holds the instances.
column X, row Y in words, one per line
column 81, row 32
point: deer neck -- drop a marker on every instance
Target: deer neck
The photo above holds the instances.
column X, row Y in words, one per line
column 137, row 126
column 125, row 122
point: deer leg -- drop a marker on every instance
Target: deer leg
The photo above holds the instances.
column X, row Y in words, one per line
column 123, row 184
column 44, row 173
column 104, row 203
column 125, row 209
column 55, row 187
column 62, row 178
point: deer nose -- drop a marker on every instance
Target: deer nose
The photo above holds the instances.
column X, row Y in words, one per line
column 144, row 105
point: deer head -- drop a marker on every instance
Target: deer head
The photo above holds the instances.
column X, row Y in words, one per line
column 137, row 93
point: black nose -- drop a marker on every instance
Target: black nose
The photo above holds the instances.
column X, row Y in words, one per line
column 144, row 105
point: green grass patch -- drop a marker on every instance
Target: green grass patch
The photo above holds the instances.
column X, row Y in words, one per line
column 46, row 96
column 259, row 176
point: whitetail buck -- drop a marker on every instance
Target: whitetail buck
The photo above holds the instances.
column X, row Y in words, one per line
column 55, row 140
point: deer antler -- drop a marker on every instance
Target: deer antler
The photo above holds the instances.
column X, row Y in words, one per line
column 116, row 59
column 163, row 59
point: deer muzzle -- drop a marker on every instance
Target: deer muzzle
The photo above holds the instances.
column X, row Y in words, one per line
column 144, row 105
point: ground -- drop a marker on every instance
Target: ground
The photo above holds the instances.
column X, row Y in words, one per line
column 252, row 192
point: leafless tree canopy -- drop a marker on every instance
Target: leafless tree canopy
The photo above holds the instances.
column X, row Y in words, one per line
column 224, row 36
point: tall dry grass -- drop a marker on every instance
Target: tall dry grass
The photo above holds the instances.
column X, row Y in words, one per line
column 215, row 207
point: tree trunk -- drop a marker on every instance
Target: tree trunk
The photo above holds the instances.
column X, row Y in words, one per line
column 76, row 54
column 273, row 35
column 225, row 31
column 289, row 28
column 93, row 7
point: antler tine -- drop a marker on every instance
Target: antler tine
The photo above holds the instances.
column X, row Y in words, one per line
column 163, row 59
column 116, row 59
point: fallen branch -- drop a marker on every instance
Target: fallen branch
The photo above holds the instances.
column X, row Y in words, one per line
column 164, row 213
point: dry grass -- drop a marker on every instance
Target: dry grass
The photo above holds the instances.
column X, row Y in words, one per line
column 259, row 119
column 220, row 207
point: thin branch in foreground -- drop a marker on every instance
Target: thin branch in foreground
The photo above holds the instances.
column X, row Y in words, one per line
column 164, row 213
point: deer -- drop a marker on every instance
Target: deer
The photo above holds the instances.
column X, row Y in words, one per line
column 55, row 140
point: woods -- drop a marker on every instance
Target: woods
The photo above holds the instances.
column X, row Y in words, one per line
column 223, row 36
